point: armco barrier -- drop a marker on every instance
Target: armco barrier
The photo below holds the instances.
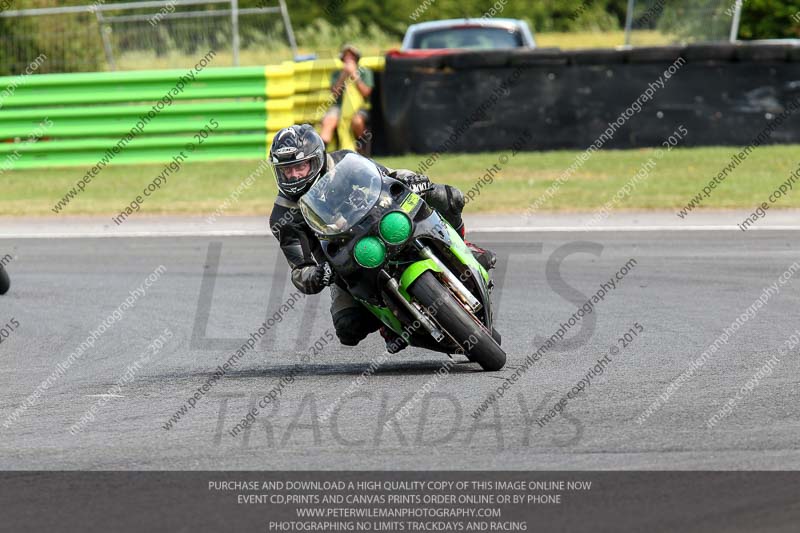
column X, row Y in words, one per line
column 723, row 94
column 87, row 114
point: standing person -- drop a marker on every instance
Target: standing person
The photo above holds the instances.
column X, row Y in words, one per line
column 363, row 80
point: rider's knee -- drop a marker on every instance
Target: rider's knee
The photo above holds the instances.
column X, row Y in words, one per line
column 455, row 199
column 357, row 122
column 351, row 326
column 447, row 200
column 330, row 121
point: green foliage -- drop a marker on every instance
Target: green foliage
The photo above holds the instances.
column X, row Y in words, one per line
column 394, row 16
column 68, row 43
column 326, row 38
column 770, row 19
column 695, row 20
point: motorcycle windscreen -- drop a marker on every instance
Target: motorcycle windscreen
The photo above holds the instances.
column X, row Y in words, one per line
column 342, row 197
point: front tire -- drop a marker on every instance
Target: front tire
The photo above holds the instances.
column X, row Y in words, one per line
column 429, row 292
column 5, row 283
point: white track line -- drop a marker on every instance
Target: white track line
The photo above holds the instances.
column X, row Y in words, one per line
column 134, row 234
column 498, row 229
column 528, row 229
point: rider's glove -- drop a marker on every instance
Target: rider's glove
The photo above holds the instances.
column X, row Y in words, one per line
column 418, row 183
column 312, row 279
column 323, row 275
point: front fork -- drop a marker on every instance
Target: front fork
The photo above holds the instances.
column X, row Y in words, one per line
column 455, row 284
column 433, row 263
column 394, row 289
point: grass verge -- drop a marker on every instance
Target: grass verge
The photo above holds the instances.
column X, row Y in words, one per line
column 202, row 188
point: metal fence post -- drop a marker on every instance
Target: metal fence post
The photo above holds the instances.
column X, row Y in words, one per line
column 235, row 31
column 737, row 19
column 106, row 40
column 289, row 32
column 629, row 22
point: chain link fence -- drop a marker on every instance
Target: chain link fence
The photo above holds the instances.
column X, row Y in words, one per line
column 157, row 34
column 146, row 35
column 661, row 22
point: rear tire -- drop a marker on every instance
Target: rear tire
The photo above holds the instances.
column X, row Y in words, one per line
column 5, row 283
column 429, row 292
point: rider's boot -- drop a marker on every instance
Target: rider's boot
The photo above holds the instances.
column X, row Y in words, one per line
column 394, row 342
column 486, row 258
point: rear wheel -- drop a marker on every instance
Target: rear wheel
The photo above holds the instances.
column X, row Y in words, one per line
column 477, row 342
column 5, row 283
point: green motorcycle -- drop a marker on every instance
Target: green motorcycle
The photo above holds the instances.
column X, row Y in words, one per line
column 403, row 261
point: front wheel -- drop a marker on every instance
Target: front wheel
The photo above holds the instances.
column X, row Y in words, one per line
column 5, row 283
column 476, row 341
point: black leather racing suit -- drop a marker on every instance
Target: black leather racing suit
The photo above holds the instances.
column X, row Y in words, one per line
column 352, row 321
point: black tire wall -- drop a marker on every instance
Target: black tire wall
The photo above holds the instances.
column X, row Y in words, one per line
column 723, row 94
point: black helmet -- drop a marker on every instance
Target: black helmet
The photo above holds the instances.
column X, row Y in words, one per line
column 297, row 156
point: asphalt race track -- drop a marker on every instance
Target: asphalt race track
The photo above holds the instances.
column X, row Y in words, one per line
column 684, row 289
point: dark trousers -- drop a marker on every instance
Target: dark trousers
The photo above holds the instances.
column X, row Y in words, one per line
column 351, row 320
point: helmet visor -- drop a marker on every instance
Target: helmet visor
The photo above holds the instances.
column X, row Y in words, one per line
column 293, row 176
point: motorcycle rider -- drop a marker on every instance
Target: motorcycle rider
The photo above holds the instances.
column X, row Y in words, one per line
column 298, row 158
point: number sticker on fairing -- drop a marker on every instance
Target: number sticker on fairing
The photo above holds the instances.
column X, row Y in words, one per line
column 410, row 203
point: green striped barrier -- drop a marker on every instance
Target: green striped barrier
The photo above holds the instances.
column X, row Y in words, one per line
column 46, row 90
column 74, row 119
column 117, row 119
column 89, row 152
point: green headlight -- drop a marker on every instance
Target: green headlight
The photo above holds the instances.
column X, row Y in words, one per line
column 395, row 228
column 369, row 252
